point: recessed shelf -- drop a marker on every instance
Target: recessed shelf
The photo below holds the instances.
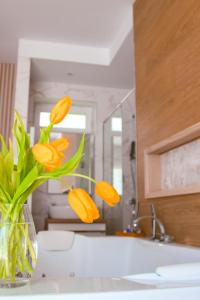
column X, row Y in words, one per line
column 152, row 164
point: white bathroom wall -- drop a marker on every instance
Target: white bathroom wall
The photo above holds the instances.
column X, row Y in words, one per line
column 104, row 99
column 22, row 87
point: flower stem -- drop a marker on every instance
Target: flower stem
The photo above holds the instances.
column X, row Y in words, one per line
column 82, row 176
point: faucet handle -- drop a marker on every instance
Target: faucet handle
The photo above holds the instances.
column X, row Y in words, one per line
column 153, row 210
column 165, row 238
column 135, row 227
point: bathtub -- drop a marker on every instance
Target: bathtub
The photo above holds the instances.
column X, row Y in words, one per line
column 111, row 256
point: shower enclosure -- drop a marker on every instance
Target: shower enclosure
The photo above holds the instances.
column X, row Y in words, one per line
column 119, row 163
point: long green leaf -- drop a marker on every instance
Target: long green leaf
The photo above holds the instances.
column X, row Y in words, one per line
column 4, row 149
column 45, row 134
column 25, row 158
column 23, row 142
column 26, row 183
column 24, row 196
column 4, row 180
column 4, row 194
column 9, row 169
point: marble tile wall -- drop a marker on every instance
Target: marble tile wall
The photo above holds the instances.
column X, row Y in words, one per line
column 180, row 167
column 129, row 135
column 22, row 87
column 104, row 99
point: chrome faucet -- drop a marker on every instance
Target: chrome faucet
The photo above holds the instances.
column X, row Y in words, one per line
column 155, row 221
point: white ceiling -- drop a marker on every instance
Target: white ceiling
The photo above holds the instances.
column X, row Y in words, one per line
column 118, row 74
column 93, row 23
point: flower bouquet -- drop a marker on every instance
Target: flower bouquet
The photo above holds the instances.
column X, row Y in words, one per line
column 20, row 176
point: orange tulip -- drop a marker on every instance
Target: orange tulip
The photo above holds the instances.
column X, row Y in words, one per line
column 60, row 110
column 42, row 153
column 60, row 144
column 50, row 155
column 107, row 192
column 51, row 167
column 47, row 155
column 56, row 154
column 83, row 205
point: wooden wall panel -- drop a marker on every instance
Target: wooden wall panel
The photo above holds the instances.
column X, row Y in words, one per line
column 7, row 79
column 167, row 56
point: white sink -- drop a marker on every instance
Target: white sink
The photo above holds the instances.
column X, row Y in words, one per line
column 61, row 212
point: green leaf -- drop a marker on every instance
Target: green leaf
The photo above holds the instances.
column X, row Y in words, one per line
column 4, row 195
column 26, row 183
column 9, row 160
column 22, row 139
column 9, row 169
column 4, row 149
column 25, row 158
column 45, row 134
column 17, row 205
column 29, row 163
column 3, row 174
column 23, row 193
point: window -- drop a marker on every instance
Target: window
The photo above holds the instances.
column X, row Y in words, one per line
column 116, row 124
column 117, row 179
column 80, row 119
column 72, row 121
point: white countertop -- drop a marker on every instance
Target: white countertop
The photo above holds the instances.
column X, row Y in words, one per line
column 100, row 288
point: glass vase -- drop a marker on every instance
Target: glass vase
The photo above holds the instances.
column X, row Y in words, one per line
column 18, row 246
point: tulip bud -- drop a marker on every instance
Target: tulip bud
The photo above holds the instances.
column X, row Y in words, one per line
column 107, row 192
column 83, row 205
column 60, row 110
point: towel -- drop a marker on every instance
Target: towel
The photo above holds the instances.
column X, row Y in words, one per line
column 180, row 271
column 55, row 240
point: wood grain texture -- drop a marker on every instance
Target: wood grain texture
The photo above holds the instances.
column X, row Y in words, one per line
column 71, row 221
column 167, row 56
column 7, row 81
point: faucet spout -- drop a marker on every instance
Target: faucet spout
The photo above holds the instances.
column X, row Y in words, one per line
column 155, row 222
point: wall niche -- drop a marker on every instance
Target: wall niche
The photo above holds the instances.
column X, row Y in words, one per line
column 172, row 166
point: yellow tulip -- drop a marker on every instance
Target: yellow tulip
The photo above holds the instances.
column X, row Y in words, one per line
column 60, row 110
column 47, row 155
column 42, row 153
column 60, row 144
column 51, row 167
column 107, row 192
column 50, row 155
column 56, row 154
column 83, row 205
